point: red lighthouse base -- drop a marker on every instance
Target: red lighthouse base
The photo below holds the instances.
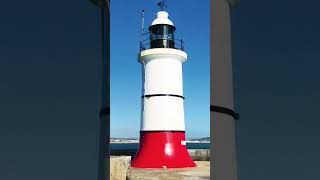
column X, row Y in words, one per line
column 162, row 149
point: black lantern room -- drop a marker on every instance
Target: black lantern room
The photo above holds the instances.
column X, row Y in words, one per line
column 162, row 36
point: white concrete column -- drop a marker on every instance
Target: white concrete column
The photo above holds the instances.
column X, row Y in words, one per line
column 163, row 76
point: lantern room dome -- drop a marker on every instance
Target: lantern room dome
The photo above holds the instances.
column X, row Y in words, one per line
column 162, row 18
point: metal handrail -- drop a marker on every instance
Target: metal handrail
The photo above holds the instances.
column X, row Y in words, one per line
column 145, row 44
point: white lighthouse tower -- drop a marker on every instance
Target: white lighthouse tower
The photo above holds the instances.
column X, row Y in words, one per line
column 162, row 135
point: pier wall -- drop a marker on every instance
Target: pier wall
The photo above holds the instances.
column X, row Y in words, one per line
column 119, row 166
column 196, row 154
column 120, row 162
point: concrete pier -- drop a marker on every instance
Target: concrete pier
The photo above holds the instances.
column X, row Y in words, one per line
column 120, row 169
column 201, row 172
column 200, row 154
column 119, row 166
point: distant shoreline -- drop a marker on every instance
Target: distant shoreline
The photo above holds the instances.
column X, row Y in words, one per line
column 124, row 142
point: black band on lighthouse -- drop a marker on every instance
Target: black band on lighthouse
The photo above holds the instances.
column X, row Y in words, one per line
column 105, row 111
column 225, row 110
column 151, row 95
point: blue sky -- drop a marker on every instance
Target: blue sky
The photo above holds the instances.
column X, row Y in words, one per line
column 50, row 74
column 192, row 20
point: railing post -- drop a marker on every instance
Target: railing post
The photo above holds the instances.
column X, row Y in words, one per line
column 140, row 45
column 181, row 45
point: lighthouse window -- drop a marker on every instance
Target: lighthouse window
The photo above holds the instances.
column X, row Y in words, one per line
column 162, row 32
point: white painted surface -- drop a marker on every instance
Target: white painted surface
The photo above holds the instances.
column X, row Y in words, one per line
column 163, row 113
column 162, row 18
column 163, row 75
column 154, row 53
column 183, row 143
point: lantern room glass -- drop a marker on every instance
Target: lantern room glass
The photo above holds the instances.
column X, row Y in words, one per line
column 162, row 36
column 162, row 31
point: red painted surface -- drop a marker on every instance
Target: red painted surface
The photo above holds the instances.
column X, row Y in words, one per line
column 162, row 150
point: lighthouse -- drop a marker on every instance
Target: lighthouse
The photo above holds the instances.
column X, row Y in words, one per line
column 162, row 131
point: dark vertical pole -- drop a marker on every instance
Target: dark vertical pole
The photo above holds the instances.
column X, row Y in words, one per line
column 104, row 162
column 224, row 164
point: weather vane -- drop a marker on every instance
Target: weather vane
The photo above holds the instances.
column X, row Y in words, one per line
column 162, row 4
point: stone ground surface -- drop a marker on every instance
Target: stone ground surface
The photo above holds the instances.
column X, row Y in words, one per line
column 199, row 154
column 201, row 172
column 119, row 166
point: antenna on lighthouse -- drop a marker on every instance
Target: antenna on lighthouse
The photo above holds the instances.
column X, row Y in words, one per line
column 162, row 4
column 142, row 23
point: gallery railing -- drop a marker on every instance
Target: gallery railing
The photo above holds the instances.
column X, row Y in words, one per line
column 162, row 43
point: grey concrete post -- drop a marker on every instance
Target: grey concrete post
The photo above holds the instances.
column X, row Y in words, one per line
column 104, row 121
column 222, row 119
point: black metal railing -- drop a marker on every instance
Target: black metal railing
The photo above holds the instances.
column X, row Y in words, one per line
column 177, row 44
